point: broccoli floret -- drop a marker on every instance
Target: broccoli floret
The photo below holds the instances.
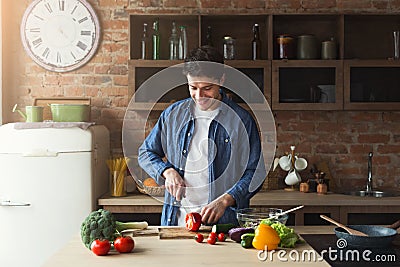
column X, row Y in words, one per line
column 100, row 224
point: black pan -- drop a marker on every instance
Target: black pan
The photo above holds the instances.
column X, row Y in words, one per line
column 378, row 236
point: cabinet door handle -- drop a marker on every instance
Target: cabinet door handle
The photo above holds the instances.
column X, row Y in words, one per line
column 9, row 203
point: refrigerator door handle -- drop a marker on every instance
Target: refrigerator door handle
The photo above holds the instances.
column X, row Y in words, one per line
column 9, row 203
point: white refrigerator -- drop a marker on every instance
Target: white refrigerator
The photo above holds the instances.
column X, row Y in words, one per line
column 50, row 180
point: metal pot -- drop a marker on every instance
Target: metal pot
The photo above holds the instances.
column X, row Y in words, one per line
column 378, row 236
column 70, row 112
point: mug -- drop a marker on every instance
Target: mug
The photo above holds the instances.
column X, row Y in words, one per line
column 286, row 162
column 328, row 94
column 300, row 164
column 293, row 178
column 34, row 113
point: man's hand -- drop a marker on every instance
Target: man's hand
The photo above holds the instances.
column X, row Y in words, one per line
column 214, row 210
column 174, row 183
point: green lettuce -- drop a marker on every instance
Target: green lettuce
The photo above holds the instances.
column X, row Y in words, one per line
column 287, row 235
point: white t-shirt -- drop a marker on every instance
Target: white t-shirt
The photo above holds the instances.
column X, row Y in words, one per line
column 196, row 168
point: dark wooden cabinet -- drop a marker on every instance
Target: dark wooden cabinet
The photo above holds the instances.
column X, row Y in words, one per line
column 364, row 76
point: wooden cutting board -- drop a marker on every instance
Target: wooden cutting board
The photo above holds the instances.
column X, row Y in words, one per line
column 150, row 231
column 181, row 232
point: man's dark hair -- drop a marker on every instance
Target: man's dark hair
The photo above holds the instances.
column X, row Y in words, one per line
column 193, row 63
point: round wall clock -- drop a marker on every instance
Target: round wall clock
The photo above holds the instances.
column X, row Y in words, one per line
column 60, row 35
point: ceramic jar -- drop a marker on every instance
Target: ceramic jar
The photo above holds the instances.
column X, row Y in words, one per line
column 328, row 50
column 307, row 47
column 322, row 189
column 304, row 187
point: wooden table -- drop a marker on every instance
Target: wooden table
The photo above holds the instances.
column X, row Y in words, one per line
column 151, row 251
column 338, row 206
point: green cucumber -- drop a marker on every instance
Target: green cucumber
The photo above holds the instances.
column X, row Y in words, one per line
column 247, row 240
column 222, row 228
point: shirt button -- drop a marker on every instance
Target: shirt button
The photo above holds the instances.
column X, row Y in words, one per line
column 188, row 134
column 226, row 140
column 181, row 169
column 184, row 151
column 169, row 219
column 174, row 202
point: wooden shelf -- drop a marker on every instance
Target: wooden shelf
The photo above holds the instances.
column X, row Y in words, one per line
column 363, row 41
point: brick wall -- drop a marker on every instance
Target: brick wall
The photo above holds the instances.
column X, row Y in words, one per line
column 343, row 139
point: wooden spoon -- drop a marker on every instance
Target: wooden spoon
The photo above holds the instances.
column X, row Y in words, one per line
column 349, row 230
column 395, row 225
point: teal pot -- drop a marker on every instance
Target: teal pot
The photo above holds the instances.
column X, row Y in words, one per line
column 70, row 112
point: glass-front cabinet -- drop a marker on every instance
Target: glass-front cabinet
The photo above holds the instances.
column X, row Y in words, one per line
column 372, row 84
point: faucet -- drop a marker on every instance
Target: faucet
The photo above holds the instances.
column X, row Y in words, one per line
column 369, row 181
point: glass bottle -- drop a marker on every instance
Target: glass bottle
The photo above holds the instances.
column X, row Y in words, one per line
column 156, row 40
column 256, row 43
column 173, row 43
column 183, row 46
column 144, row 44
column 229, row 48
column 209, row 37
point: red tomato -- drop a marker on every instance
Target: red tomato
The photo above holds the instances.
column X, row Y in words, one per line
column 199, row 238
column 211, row 239
column 221, row 237
column 213, row 234
column 124, row 244
column 100, row 247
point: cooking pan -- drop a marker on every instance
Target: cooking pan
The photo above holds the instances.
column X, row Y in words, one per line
column 378, row 236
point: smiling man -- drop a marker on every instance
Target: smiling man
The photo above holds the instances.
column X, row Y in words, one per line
column 205, row 149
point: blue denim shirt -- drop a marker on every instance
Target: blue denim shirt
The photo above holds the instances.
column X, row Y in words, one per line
column 236, row 164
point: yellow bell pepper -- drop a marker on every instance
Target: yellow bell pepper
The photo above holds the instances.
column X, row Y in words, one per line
column 265, row 238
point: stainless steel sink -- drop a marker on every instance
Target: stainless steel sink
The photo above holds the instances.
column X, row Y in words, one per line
column 374, row 193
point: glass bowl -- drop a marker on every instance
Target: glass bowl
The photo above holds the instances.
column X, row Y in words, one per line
column 251, row 217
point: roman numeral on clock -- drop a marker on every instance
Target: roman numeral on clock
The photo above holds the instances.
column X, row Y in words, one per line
column 46, row 52
column 37, row 42
column 36, row 16
column 61, row 5
column 58, row 57
column 86, row 33
column 81, row 45
column 48, row 7
column 73, row 10
column 34, row 30
column 83, row 19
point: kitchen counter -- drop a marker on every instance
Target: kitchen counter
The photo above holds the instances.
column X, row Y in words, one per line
column 151, row 251
column 338, row 206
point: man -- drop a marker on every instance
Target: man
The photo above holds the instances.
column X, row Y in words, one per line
column 211, row 148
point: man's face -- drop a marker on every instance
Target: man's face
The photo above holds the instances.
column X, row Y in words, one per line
column 205, row 92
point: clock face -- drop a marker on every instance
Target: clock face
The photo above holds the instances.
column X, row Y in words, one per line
column 60, row 35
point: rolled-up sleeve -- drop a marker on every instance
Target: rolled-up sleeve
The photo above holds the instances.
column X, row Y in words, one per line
column 151, row 153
